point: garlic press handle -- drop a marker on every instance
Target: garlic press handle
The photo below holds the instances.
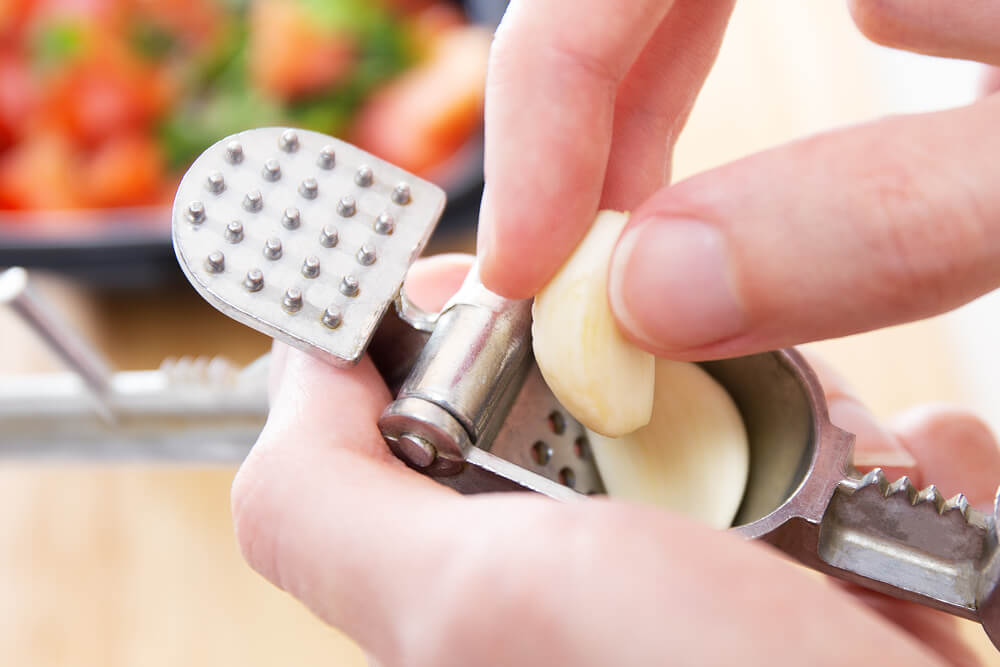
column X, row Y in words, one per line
column 462, row 384
column 909, row 544
column 473, row 405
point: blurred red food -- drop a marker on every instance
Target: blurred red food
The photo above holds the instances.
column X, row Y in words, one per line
column 424, row 116
column 102, row 102
column 196, row 22
column 127, row 170
column 18, row 98
column 293, row 55
column 13, row 15
column 39, row 173
column 105, row 94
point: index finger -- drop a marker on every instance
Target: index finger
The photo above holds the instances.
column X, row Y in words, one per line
column 550, row 95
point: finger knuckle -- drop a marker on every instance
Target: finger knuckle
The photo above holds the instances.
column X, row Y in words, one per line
column 930, row 226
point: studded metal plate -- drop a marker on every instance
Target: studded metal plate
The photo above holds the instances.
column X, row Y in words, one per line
column 301, row 236
column 540, row 435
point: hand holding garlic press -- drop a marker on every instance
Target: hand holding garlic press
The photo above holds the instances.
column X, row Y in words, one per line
column 711, row 268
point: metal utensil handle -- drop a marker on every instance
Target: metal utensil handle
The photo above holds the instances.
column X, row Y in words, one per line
column 914, row 545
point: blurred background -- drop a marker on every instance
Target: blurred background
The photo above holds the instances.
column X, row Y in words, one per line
column 103, row 103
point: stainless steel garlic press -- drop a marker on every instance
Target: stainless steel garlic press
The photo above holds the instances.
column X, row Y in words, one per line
column 308, row 239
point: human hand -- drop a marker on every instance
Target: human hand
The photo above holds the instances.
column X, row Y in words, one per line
column 419, row 575
column 839, row 233
column 584, row 102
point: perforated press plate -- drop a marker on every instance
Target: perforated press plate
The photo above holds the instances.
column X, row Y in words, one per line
column 301, row 236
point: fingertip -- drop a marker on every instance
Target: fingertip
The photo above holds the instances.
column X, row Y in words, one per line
column 431, row 281
column 494, row 269
column 496, row 275
column 953, row 29
column 878, row 20
column 956, row 450
column 874, row 445
column 672, row 285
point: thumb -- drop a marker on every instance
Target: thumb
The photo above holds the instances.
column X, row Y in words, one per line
column 841, row 233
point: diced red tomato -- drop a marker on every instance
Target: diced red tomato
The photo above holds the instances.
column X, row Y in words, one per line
column 425, row 115
column 105, row 95
column 18, row 98
column 39, row 173
column 193, row 21
column 127, row 170
column 13, row 15
column 292, row 56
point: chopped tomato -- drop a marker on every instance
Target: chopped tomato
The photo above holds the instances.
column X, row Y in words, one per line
column 18, row 98
column 13, row 15
column 127, row 170
column 105, row 95
column 425, row 115
column 193, row 21
column 39, row 173
column 291, row 54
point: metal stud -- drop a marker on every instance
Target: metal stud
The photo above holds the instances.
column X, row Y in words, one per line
column 216, row 262
column 347, row 207
column 332, row 317
column 328, row 238
column 384, row 224
column 366, row 255
column 327, row 157
column 310, row 266
column 254, row 281
column 253, row 201
column 364, row 176
column 292, row 301
column 289, row 141
column 291, row 219
column 234, row 152
column 234, row 231
column 215, row 182
column 401, row 194
column 349, row 286
column 309, row 188
column 196, row 212
column 272, row 248
column 271, row 170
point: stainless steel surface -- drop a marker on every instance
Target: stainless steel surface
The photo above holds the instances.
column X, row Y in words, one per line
column 540, row 436
column 805, row 498
column 70, row 347
column 470, row 370
column 277, row 171
column 203, row 410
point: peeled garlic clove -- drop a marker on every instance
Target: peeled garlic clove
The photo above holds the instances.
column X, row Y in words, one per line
column 602, row 379
column 692, row 458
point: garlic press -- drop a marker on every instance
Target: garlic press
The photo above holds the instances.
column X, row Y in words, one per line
column 308, row 239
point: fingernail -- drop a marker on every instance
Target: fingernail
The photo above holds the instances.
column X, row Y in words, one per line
column 671, row 284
